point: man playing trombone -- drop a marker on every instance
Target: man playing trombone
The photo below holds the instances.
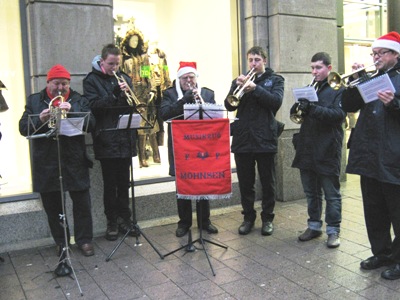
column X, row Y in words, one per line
column 318, row 155
column 375, row 156
column 256, row 97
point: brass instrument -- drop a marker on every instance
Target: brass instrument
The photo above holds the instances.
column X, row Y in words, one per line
column 234, row 99
column 55, row 111
column 197, row 96
column 297, row 117
column 336, row 81
column 130, row 96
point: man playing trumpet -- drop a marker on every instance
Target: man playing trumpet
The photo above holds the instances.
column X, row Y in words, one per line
column 375, row 156
column 255, row 136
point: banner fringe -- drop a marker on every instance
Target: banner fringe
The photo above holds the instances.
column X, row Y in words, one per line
column 204, row 197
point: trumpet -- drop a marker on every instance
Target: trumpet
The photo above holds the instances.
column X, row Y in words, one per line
column 336, row 81
column 130, row 96
column 197, row 96
column 234, row 99
column 297, row 117
column 54, row 108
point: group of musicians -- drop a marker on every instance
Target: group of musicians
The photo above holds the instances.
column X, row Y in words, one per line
column 256, row 97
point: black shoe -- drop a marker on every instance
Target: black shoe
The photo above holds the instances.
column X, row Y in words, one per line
column 309, row 234
column 375, row 262
column 211, row 229
column 126, row 226
column 246, row 227
column 267, row 228
column 181, row 231
column 112, row 231
column 393, row 273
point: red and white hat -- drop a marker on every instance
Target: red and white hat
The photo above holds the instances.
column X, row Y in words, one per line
column 389, row 41
column 186, row 67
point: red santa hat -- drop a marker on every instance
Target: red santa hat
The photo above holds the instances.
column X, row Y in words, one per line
column 186, row 67
column 58, row 71
column 389, row 41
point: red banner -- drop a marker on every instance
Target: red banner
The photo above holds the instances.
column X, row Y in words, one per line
column 202, row 159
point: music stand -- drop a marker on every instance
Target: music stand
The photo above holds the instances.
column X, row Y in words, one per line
column 130, row 122
column 189, row 247
column 68, row 127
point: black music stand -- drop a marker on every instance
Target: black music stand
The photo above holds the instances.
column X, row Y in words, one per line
column 130, row 124
column 189, row 247
column 69, row 127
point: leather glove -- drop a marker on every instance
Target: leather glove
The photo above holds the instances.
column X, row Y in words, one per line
column 304, row 105
column 188, row 97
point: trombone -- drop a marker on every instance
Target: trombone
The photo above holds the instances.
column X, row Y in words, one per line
column 130, row 96
column 234, row 99
column 336, row 81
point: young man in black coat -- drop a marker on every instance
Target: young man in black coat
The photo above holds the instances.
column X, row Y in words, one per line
column 74, row 161
column 318, row 155
column 255, row 137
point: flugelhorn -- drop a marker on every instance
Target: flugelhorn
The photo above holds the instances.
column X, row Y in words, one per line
column 130, row 96
column 336, row 81
column 297, row 117
column 234, row 99
column 54, row 110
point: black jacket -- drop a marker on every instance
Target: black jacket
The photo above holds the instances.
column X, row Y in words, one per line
column 256, row 129
column 375, row 141
column 108, row 142
column 171, row 108
column 319, row 142
column 73, row 158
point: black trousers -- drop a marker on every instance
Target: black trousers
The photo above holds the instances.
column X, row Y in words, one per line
column 381, row 211
column 185, row 213
column 246, row 172
column 116, row 178
column 81, row 209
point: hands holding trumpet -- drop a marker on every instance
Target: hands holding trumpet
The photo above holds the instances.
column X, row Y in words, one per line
column 246, row 82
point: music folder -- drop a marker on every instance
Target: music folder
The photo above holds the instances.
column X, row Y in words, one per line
column 370, row 88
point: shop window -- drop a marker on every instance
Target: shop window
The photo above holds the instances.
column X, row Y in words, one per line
column 181, row 31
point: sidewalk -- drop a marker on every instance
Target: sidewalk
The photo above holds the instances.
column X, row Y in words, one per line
column 253, row 266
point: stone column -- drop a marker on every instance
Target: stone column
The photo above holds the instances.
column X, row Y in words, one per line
column 292, row 31
column 393, row 11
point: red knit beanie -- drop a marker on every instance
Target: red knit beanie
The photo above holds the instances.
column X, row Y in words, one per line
column 58, row 71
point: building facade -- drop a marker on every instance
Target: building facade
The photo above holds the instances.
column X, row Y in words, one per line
column 215, row 34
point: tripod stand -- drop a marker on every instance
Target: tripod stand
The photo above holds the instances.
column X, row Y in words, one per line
column 135, row 228
column 68, row 127
column 189, row 247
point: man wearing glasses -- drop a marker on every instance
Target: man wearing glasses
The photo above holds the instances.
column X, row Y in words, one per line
column 375, row 156
column 185, row 90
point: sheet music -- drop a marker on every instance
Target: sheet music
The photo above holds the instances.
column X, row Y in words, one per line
column 210, row 111
column 123, row 121
column 71, row 126
column 307, row 92
column 369, row 89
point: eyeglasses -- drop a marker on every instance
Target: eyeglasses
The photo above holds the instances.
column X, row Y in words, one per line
column 191, row 77
column 380, row 54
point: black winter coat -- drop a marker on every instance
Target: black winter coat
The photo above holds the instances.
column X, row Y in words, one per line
column 171, row 108
column 74, row 159
column 319, row 142
column 108, row 142
column 256, row 130
column 375, row 141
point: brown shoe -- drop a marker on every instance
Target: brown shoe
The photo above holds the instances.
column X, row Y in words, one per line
column 87, row 249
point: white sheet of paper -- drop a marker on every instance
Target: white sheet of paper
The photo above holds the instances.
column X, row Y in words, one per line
column 210, row 111
column 71, row 126
column 369, row 89
column 123, row 121
column 307, row 92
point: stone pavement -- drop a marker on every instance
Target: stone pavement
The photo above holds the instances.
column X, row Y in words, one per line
column 253, row 266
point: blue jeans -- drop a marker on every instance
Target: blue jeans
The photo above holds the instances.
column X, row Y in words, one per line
column 314, row 184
